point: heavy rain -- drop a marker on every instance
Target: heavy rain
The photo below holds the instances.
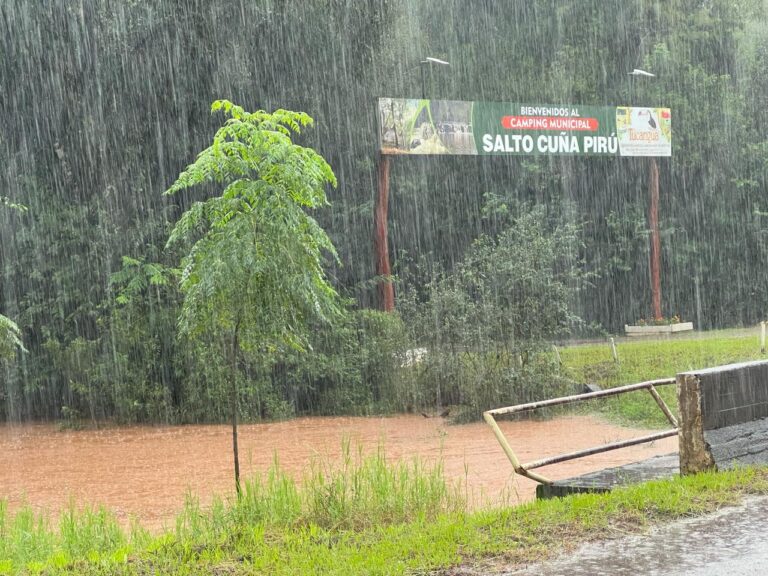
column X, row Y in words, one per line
column 246, row 245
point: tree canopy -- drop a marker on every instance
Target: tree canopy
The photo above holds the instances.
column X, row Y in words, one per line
column 255, row 264
column 103, row 105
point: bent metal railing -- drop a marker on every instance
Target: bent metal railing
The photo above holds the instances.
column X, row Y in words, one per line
column 525, row 469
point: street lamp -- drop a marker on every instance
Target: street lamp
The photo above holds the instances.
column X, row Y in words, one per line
column 429, row 61
column 380, row 214
column 638, row 72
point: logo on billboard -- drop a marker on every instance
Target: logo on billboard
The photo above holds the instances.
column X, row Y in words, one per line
column 644, row 131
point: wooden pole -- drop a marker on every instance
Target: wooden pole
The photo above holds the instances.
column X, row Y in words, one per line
column 653, row 224
column 381, row 246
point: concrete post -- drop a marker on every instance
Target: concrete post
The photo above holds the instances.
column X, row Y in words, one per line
column 695, row 454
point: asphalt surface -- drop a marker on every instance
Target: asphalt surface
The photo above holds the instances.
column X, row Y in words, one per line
column 732, row 541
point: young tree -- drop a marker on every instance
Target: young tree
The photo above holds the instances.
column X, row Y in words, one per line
column 253, row 274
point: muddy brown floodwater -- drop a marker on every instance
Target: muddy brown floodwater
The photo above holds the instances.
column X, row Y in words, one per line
column 145, row 472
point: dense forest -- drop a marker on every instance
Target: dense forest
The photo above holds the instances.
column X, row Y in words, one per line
column 104, row 102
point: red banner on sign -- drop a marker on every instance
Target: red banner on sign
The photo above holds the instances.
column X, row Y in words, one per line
column 549, row 123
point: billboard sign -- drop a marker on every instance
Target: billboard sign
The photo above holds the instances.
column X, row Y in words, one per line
column 412, row 126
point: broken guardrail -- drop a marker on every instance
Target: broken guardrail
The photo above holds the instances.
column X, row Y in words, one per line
column 525, row 469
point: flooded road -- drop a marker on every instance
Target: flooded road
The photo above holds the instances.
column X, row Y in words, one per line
column 731, row 541
column 145, row 472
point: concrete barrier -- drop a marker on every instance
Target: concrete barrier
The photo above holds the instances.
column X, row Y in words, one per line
column 723, row 417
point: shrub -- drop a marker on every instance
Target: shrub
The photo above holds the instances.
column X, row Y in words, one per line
column 486, row 322
column 353, row 367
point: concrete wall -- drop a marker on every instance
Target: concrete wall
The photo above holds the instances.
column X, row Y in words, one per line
column 723, row 416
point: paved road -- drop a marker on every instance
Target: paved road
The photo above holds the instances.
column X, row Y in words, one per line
column 733, row 541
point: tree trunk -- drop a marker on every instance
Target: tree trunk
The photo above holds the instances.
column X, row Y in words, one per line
column 233, row 400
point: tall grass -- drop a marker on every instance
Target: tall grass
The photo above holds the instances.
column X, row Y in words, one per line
column 362, row 492
column 30, row 541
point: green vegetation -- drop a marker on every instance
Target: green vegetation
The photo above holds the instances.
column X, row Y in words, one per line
column 649, row 360
column 253, row 276
column 9, row 338
column 10, row 335
column 85, row 274
column 486, row 322
column 364, row 518
column 495, row 257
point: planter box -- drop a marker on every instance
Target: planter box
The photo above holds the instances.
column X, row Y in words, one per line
column 657, row 330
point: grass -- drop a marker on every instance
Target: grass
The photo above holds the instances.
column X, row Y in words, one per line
column 367, row 518
column 643, row 360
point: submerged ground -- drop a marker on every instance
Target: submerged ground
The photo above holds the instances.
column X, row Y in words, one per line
column 146, row 472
